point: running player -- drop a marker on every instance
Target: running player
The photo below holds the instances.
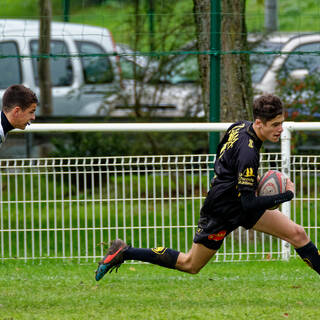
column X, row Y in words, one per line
column 231, row 201
column 18, row 109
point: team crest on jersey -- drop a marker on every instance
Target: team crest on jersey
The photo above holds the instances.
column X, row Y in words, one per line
column 248, row 172
column 217, row 236
column 250, row 145
column 159, row 250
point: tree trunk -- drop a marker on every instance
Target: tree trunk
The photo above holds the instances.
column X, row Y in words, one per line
column 236, row 85
column 201, row 12
column 44, row 62
column 235, row 82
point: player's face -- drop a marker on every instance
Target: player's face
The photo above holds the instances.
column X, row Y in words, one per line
column 271, row 130
column 24, row 117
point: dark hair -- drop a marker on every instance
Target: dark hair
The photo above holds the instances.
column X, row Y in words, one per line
column 18, row 95
column 267, row 107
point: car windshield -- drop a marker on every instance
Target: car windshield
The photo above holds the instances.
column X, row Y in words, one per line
column 261, row 62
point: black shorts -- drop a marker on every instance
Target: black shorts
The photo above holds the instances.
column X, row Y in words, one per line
column 219, row 217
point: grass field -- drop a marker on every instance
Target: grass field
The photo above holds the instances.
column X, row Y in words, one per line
column 248, row 290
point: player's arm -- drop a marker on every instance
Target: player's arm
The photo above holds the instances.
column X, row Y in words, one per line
column 250, row 201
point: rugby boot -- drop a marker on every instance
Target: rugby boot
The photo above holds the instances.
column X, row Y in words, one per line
column 113, row 258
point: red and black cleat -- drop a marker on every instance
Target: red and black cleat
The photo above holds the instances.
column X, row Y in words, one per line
column 113, row 258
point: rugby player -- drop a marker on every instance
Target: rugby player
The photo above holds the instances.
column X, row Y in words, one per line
column 231, row 201
column 18, row 109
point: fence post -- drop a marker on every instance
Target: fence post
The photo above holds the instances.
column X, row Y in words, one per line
column 285, row 164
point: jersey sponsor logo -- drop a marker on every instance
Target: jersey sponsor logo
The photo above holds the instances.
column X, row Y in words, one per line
column 250, row 145
column 217, row 236
column 233, row 137
column 159, row 250
column 247, row 177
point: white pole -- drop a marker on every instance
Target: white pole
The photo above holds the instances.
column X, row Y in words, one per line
column 151, row 127
column 271, row 15
column 126, row 127
column 285, row 164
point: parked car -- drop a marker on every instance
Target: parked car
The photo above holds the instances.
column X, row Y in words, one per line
column 157, row 86
column 284, row 57
column 293, row 72
column 87, row 79
column 78, row 82
column 276, row 54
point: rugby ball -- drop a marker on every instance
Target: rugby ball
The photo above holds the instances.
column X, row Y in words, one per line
column 271, row 183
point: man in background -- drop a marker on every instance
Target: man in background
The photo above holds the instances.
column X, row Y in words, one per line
column 18, row 109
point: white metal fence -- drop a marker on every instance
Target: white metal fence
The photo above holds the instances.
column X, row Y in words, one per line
column 62, row 208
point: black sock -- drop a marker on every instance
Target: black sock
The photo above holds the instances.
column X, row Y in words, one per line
column 161, row 256
column 310, row 255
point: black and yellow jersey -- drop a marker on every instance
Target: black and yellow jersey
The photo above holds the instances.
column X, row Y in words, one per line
column 237, row 162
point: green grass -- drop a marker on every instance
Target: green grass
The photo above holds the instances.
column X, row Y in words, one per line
column 252, row 290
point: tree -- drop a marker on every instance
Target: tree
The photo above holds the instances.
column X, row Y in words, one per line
column 201, row 12
column 236, row 87
column 44, row 61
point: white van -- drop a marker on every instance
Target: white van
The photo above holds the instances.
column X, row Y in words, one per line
column 78, row 83
column 85, row 74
